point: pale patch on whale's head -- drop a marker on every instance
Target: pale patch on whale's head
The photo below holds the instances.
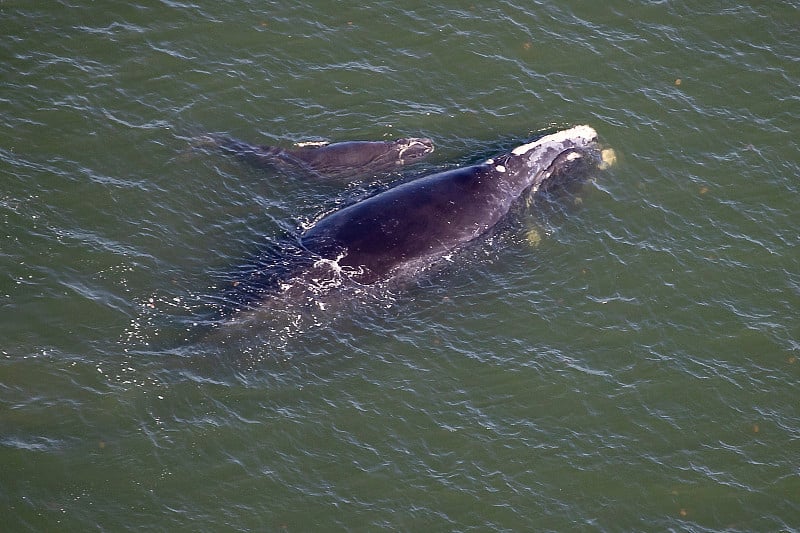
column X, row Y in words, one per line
column 413, row 149
column 555, row 154
column 573, row 138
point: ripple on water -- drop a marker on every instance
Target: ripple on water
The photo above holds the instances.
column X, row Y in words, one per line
column 637, row 366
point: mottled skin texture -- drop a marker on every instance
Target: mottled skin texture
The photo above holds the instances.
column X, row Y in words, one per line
column 331, row 160
column 410, row 226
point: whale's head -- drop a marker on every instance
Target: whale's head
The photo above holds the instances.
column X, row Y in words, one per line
column 412, row 149
column 552, row 157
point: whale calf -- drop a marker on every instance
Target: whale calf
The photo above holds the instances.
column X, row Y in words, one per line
column 407, row 228
column 329, row 160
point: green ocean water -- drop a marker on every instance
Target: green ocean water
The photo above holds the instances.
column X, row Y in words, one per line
column 635, row 369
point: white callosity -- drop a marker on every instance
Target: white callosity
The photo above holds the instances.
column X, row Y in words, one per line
column 577, row 136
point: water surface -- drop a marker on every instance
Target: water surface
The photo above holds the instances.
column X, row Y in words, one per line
column 636, row 369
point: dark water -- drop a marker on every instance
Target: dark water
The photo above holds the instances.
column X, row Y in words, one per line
column 634, row 370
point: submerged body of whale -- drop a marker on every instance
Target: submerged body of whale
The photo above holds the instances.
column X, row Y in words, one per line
column 396, row 233
column 330, row 160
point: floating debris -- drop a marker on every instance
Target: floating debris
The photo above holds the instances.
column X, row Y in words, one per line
column 608, row 158
column 533, row 237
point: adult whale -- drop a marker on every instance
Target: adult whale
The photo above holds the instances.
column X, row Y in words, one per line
column 406, row 228
column 396, row 233
column 329, row 160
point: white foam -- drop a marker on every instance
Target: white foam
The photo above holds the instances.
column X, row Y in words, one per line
column 312, row 144
column 579, row 135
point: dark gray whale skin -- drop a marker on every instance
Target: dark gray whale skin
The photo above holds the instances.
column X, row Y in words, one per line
column 410, row 226
column 330, row 160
